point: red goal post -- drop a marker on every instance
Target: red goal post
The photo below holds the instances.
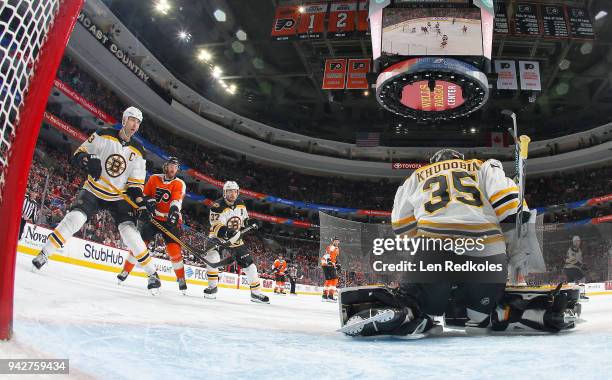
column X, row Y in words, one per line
column 33, row 36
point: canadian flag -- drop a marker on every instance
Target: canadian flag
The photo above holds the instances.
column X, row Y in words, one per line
column 498, row 139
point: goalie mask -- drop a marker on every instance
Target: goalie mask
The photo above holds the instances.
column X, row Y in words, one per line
column 446, row 154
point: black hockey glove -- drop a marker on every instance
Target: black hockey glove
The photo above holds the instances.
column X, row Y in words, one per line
column 173, row 216
column 338, row 267
column 248, row 222
column 92, row 165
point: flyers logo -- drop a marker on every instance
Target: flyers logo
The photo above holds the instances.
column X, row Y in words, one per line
column 505, row 65
column 162, row 195
column 335, row 66
column 284, row 23
column 524, row 8
column 358, row 65
column 552, row 10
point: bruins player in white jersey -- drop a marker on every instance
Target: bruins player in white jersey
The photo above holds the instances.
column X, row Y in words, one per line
column 453, row 198
column 227, row 216
column 111, row 155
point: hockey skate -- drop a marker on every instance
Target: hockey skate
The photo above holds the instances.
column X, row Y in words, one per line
column 259, row 297
column 39, row 261
column 154, row 284
column 210, row 293
column 324, row 297
column 122, row 277
column 182, row 283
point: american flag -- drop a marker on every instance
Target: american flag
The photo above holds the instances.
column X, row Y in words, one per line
column 367, row 139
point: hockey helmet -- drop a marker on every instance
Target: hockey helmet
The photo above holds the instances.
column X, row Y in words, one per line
column 133, row 112
column 446, row 154
column 576, row 239
column 171, row 161
column 230, row 185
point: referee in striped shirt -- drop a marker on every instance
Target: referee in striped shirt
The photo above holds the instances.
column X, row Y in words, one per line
column 30, row 210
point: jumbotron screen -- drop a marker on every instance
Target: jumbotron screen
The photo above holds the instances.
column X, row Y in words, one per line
column 432, row 32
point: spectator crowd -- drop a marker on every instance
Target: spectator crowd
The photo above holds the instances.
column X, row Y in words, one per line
column 58, row 182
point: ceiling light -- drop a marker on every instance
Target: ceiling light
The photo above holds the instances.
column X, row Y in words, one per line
column 217, row 72
column 184, row 35
column 600, row 15
column 204, row 55
column 473, row 130
column 366, row 93
column 219, row 15
column 241, row 35
column 162, row 6
column 301, row 9
column 564, row 64
column 586, row 48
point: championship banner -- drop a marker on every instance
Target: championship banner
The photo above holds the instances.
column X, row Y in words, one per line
column 554, row 21
column 530, row 75
column 526, row 22
column 362, row 18
column 77, row 98
column 312, row 21
column 502, row 26
column 285, row 22
column 506, row 75
column 357, row 71
column 341, row 22
column 334, row 76
column 63, row 127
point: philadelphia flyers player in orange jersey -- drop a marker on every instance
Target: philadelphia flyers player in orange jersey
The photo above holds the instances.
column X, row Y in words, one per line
column 279, row 268
column 167, row 191
column 330, row 265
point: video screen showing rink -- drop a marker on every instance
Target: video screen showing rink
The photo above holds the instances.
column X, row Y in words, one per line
column 430, row 31
column 68, row 311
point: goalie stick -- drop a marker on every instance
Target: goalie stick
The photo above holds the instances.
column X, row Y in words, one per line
column 521, row 151
column 196, row 252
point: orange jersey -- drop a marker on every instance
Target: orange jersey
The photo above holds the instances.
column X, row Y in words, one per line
column 166, row 193
column 331, row 254
column 280, row 266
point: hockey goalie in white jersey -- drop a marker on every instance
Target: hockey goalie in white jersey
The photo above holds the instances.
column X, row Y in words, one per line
column 453, row 198
column 115, row 157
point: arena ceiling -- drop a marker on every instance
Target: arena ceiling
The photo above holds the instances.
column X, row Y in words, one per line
column 279, row 83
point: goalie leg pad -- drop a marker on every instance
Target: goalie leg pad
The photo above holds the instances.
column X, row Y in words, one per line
column 544, row 310
column 402, row 315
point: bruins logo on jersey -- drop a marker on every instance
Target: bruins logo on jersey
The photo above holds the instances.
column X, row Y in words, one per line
column 115, row 165
column 234, row 223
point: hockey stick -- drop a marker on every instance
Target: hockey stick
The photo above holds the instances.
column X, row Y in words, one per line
column 521, row 151
column 197, row 253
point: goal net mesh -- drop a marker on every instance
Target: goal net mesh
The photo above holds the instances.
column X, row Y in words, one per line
column 24, row 26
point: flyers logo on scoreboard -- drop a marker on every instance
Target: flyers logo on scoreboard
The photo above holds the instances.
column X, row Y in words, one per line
column 333, row 66
column 312, row 21
column 285, row 22
column 341, row 22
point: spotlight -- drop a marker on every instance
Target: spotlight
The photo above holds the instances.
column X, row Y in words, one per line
column 162, row 6
column 217, row 72
column 184, row 35
column 366, row 93
column 600, row 15
column 241, row 35
column 204, row 55
column 301, row 9
column 219, row 15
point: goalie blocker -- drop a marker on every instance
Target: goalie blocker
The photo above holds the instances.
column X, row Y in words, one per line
column 375, row 310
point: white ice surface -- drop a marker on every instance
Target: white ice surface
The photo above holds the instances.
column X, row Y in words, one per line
column 120, row 332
